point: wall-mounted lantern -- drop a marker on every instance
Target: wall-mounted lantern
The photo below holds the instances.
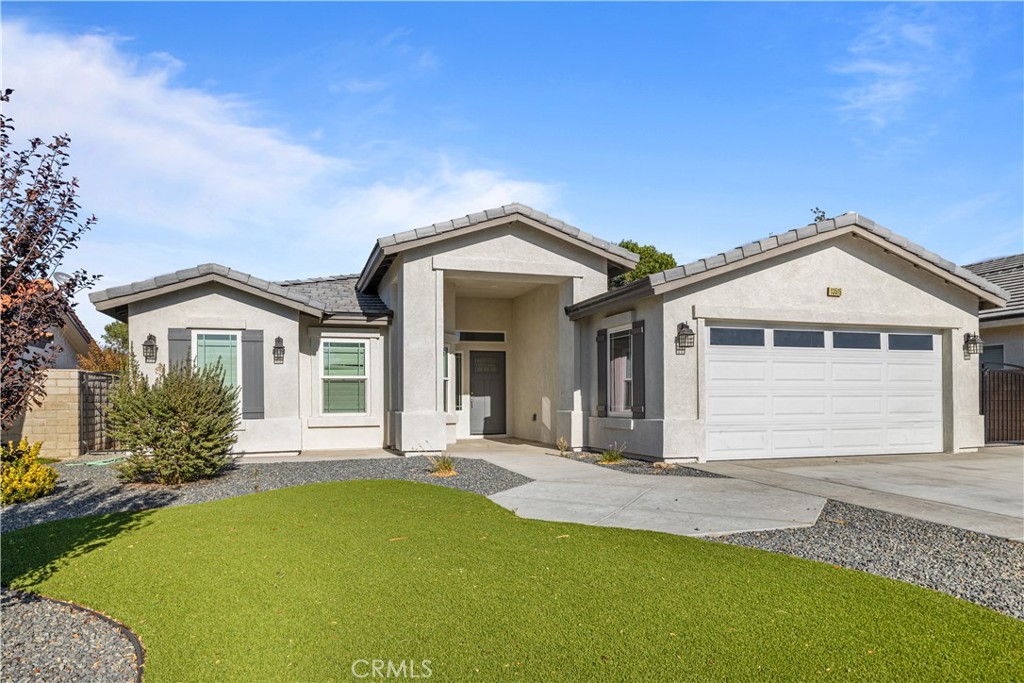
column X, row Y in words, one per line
column 972, row 344
column 149, row 349
column 685, row 338
column 278, row 351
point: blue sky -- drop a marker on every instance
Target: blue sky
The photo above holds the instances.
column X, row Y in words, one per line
column 281, row 139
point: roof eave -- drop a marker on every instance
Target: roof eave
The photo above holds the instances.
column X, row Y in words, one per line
column 116, row 306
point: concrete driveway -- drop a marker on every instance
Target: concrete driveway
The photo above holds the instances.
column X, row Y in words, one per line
column 982, row 491
column 566, row 490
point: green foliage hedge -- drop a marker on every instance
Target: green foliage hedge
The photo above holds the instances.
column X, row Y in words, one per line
column 179, row 429
column 23, row 477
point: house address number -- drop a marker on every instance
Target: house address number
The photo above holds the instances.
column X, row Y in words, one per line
column 834, row 291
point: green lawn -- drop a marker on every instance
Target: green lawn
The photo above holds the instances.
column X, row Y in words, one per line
column 297, row 584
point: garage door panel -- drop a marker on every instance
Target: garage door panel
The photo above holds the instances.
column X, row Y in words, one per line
column 767, row 402
column 799, row 371
column 728, row 370
column 911, row 373
column 790, row 441
column 858, row 406
column 784, row 406
column 915, row 406
column 739, row 406
column 739, row 443
column 861, row 438
column 865, row 371
column 911, row 437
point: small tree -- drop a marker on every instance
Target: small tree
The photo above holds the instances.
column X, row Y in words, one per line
column 39, row 213
column 111, row 357
column 651, row 261
column 179, row 429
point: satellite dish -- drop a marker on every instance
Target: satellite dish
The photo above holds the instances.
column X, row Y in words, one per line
column 61, row 278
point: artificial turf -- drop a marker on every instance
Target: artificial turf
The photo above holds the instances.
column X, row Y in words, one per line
column 298, row 584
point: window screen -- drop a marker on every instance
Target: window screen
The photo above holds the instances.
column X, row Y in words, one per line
column 344, row 377
column 810, row 339
column 856, row 340
column 223, row 347
column 736, row 336
column 910, row 342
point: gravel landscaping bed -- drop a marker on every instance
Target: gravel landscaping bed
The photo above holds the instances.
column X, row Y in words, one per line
column 986, row 570
column 51, row 642
column 643, row 467
column 94, row 490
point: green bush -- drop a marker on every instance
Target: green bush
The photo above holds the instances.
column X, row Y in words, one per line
column 23, row 477
column 179, row 429
column 612, row 454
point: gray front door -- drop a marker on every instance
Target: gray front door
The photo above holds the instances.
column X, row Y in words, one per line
column 486, row 392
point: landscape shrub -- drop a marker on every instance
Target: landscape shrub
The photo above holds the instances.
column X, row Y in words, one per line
column 442, row 465
column 179, row 429
column 612, row 454
column 22, row 476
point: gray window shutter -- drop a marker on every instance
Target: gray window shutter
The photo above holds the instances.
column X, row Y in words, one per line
column 252, row 374
column 602, row 373
column 179, row 346
column 639, row 388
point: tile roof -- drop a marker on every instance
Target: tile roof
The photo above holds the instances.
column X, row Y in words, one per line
column 500, row 212
column 338, row 292
column 767, row 244
column 331, row 295
column 1006, row 272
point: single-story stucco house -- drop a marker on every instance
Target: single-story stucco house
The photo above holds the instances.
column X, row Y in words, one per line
column 840, row 337
column 1002, row 329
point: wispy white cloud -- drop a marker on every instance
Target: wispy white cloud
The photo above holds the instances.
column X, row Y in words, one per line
column 180, row 176
column 905, row 53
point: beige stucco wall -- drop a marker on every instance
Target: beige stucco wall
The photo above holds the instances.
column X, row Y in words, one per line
column 533, row 368
column 217, row 306
column 1008, row 334
column 879, row 290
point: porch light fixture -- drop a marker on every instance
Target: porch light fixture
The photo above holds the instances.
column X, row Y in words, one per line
column 149, row 349
column 278, row 351
column 685, row 338
column 972, row 344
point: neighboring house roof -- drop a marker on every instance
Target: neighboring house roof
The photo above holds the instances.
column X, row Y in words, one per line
column 305, row 298
column 384, row 252
column 988, row 293
column 72, row 319
column 1006, row 272
column 338, row 292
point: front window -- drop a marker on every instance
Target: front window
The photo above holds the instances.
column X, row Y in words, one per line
column 209, row 348
column 343, row 376
column 620, row 373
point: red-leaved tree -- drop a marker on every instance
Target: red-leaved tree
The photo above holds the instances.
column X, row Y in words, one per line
column 39, row 211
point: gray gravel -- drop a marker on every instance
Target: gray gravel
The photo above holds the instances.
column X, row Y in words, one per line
column 643, row 467
column 49, row 642
column 986, row 570
column 94, row 490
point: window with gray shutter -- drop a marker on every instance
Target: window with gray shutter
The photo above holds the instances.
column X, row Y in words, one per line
column 639, row 388
column 252, row 374
column 602, row 373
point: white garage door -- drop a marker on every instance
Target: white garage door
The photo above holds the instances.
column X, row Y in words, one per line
column 786, row 392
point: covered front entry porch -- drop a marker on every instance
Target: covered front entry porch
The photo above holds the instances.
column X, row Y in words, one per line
column 509, row 356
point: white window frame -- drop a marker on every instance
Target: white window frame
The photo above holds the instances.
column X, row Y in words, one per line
column 238, row 353
column 321, row 378
column 627, row 331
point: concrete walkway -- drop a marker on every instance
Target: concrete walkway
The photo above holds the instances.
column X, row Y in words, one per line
column 566, row 490
column 982, row 491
